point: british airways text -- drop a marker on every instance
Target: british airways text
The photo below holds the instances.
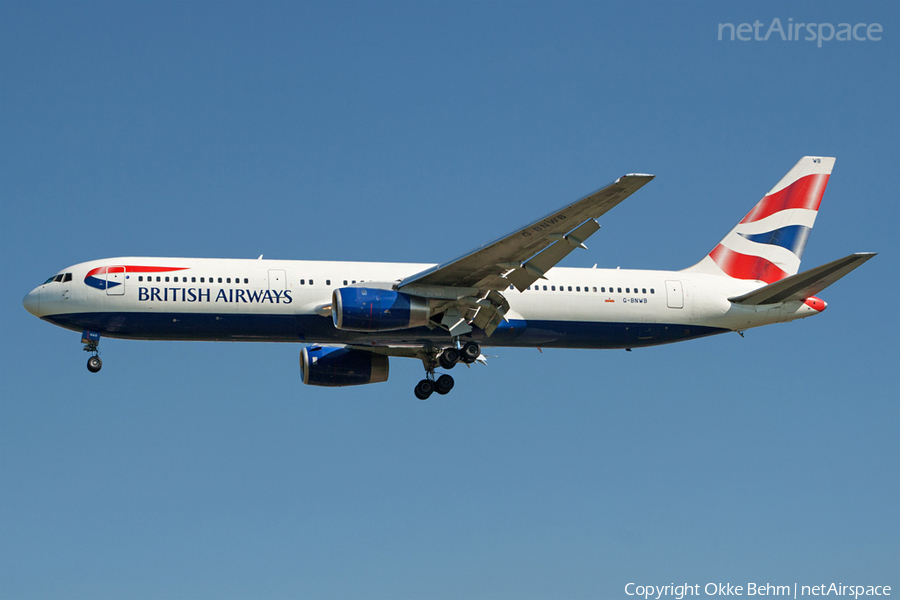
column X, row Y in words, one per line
column 180, row 294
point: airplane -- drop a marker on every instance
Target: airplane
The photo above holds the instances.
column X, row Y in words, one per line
column 354, row 316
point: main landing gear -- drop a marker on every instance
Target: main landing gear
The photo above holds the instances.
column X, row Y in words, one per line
column 447, row 359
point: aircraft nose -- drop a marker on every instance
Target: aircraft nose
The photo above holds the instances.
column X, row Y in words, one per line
column 32, row 302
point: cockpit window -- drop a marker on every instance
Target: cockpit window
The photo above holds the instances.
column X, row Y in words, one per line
column 62, row 277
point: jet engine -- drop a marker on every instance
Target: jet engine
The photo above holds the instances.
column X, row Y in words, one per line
column 338, row 367
column 370, row 309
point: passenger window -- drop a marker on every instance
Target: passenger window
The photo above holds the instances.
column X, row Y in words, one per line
column 570, row 288
column 202, row 280
column 167, row 278
column 310, row 282
column 651, row 291
column 620, row 290
column 577, row 288
column 354, row 281
column 228, row 280
column 193, row 280
column 595, row 289
column 302, row 282
column 545, row 288
column 552, row 288
column 246, row 280
column 220, row 280
column 627, row 290
column 140, row 277
column 644, row 290
column 327, row 282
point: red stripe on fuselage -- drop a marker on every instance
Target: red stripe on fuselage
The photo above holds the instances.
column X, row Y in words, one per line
column 134, row 269
column 806, row 192
column 745, row 266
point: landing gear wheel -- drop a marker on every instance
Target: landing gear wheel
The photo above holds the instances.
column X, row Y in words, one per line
column 443, row 384
column 94, row 363
column 470, row 352
column 424, row 389
column 449, row 358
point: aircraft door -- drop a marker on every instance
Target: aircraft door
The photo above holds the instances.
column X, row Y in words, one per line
column 674, row 294
column 115, row 281
column 277, row 280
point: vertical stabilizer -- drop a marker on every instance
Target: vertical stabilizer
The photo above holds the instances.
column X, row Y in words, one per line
column 768, row 243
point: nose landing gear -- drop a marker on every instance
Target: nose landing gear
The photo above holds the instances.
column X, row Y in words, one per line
column 91, row 340
column 94, row 363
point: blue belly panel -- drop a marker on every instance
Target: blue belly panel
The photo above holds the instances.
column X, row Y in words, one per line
column 321, row 330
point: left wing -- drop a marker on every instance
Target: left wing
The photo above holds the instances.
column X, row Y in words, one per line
column 523, row 256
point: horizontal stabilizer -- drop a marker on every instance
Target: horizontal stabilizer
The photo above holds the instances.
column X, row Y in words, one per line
column 805, row 284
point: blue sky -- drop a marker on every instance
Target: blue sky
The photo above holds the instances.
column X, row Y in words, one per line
column 415, row 132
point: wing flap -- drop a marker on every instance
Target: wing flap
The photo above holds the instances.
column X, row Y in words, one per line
column 805, row 284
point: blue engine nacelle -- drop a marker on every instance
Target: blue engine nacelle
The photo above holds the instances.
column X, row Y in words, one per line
column 370, row 309
column 337, row 367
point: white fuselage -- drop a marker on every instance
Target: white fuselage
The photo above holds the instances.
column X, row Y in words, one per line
column 290, row 301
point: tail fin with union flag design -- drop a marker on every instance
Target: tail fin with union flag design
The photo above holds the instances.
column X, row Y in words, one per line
column 768, row 243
